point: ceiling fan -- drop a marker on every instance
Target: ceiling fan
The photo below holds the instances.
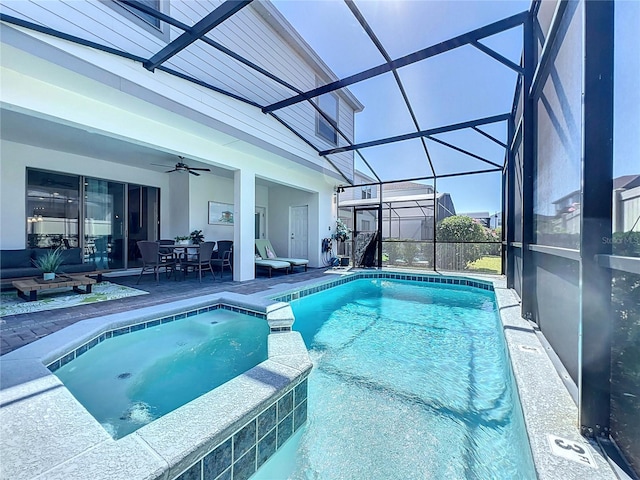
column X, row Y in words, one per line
column 183, row 167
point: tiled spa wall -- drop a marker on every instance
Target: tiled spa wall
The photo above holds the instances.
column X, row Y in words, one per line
column 239, row 456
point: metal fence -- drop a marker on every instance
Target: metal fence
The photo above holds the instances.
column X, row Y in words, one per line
column 479, row 257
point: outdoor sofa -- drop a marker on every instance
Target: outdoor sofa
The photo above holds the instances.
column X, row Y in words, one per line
column 15, row 264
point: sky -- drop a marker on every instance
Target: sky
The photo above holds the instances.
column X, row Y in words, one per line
column 457, row 86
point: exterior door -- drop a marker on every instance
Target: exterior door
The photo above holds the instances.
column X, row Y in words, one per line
column 260, row 230
column 299, row 229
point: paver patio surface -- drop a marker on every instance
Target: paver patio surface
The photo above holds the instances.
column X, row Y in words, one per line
column 19, row 330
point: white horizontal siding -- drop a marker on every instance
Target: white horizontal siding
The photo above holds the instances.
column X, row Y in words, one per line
column 245, row 33
column 91, row 21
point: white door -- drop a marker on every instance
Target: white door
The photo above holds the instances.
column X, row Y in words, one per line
column 261, row 217
column 299, row 232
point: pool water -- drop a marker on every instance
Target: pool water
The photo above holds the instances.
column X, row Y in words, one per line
column 409, row 382
column 128, row 381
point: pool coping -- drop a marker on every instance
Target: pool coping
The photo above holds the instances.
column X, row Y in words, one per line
column 547, row 405
column 47, row 434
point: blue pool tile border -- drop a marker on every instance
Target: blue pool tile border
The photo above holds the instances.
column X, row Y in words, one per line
column 242, row 453
column 468, row 282
column 67, row 357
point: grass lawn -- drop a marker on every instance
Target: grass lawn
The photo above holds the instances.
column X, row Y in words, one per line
column 488, row 264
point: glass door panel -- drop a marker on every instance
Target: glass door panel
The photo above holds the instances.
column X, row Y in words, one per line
column 143, row 219
column 52, row 209
column 104, row 223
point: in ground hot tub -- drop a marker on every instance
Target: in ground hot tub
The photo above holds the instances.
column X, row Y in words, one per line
column 150, row 369
column 214, row 387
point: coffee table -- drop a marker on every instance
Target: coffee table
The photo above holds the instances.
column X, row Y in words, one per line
column 28, row 289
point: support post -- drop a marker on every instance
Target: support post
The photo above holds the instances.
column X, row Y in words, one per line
column 379, row 260
column 528, row 164
column 244, row 225
column 509, row 219
column 435, row 223
column 596, row 226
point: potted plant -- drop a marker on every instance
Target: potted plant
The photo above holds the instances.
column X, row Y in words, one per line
column 49, row 263
column 181, row 240
column 342, row 231
column 196, row 237
column 341, row 235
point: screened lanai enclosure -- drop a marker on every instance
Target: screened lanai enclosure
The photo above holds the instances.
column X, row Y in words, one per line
column 532, row 144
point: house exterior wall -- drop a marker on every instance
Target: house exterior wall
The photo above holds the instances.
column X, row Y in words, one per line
column 248, row 33
column 407, row 220
column 179, row 207
column 16, row 157
column 280, row 200
column 99, row 93
column 626, row 207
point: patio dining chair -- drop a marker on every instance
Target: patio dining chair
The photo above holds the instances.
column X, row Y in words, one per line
column 166, row 253
column 152, row 260
column 224, row 259
column 202, row 260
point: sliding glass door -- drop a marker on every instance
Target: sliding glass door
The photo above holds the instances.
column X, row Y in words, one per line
column 104, row 231
column 102, row 217
column 143, row 219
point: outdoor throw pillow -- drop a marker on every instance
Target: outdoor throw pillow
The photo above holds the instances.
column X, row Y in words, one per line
column 270, row 253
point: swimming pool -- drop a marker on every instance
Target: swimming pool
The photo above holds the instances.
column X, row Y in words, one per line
column 130, row 380
column 409, row 381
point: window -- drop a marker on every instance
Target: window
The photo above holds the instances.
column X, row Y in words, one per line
column 366, row 192
column 155, row 4
column 144, row 20
column 328, row 103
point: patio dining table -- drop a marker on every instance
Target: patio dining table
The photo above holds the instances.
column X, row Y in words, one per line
column 181, row 253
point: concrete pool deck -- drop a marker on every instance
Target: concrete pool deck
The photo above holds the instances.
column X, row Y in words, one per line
column 29, row 391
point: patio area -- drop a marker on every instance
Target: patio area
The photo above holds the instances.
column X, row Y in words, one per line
column 19, row 330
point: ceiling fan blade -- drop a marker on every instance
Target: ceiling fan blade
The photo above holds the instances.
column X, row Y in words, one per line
column 194, row 173
column 203, row 169
column 169, row 171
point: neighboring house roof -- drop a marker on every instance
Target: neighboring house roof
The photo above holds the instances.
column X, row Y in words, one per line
column 360, row 177
column 626, row 182
column 567, row 197
column 407, row 186
column 281, row 25
column 397, row 198
column 622, row 182
column 476, row 214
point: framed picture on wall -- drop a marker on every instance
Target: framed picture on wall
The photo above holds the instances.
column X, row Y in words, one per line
column 220, row 213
